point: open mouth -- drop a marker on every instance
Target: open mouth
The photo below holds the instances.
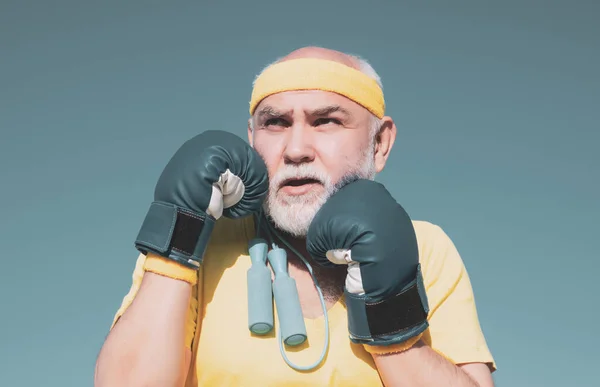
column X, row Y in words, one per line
column 299, row 182
column 299, row 186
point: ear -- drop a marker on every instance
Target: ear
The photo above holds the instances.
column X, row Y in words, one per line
column 250, row 134
column 384, row 141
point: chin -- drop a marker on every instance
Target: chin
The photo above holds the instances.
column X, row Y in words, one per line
column 306, row 198
column 293, row 213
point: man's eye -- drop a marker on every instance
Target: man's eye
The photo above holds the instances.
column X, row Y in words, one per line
column 324, row 121
column 275, row 122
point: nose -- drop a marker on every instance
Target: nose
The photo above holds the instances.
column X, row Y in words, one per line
column 300, row 147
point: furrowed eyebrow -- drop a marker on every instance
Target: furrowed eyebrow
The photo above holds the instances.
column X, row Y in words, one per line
column 326, row 110
column 269, row 111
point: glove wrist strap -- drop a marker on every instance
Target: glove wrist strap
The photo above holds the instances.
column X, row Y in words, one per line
column 175, row 233
column 393, row 320
column 169, row 268
column 392, row 348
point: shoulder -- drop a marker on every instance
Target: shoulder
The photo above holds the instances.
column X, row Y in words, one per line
column 427, row 230
column 438, row 254
column 454, row 328
column 431, row 238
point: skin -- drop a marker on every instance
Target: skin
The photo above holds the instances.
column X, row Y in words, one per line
column 294, row 128
column 146, row 346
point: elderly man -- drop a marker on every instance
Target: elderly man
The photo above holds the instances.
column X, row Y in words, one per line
column 380, row 300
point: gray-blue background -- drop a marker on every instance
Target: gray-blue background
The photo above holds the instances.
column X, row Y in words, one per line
column 497, row 107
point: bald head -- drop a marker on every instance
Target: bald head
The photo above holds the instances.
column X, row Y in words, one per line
column 353, row 61
column 323, row 53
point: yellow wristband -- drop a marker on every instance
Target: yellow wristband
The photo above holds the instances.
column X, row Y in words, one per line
column 169, row 268
column 394, row 348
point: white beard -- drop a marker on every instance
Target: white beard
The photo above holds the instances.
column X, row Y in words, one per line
column 293, row 214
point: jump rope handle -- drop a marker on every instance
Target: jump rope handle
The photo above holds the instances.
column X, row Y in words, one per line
column 261, row 291
column 289, row 311
column 260, row 298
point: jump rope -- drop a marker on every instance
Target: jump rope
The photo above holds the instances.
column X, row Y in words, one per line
column 262, row 289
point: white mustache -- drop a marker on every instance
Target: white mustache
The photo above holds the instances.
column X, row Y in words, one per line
column 304, row 171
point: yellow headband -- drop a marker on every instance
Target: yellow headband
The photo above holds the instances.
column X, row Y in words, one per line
column 319, row 74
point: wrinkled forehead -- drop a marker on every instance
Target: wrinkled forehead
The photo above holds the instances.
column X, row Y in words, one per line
column 332, row 79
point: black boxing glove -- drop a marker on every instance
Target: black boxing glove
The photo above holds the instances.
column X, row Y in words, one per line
column 362, row 226
column 213, row 174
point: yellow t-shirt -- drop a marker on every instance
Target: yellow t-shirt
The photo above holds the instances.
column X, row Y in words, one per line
column 225, row 353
